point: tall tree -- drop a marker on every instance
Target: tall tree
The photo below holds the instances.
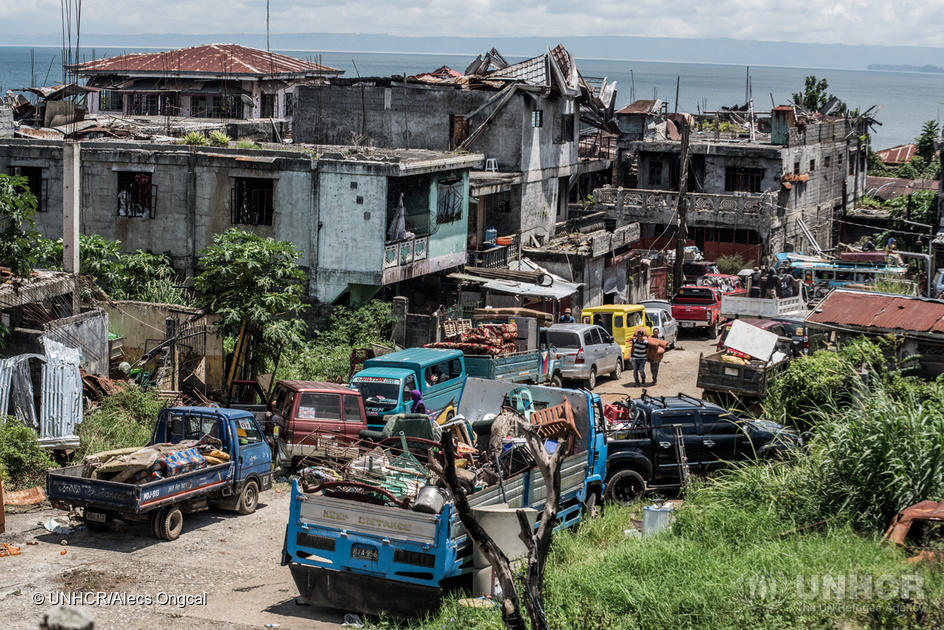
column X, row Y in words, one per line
column 925, row 141
column 18, row 239
column 255, row 285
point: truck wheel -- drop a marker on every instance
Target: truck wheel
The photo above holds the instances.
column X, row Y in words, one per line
column 625, row 487
column 618, row 371
column 592, row 379
column 171, row 523
column 557, row 381
column 249, row 499
column 156, row 517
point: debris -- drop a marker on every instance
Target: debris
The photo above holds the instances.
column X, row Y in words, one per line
column 65, row 618
column 352, row 621
column 6, row 549
column 57, row 527
column 32, row 542
column 898, row 531
column 63, row 552
column 63, row 542
column 33, row 496
column 478, row 602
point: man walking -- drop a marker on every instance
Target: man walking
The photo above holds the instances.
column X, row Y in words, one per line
column 654, row 352
column 638, row 355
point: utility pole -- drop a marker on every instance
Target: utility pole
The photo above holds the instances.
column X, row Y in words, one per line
column 681, row 211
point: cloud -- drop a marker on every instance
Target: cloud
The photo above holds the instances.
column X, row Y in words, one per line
column 823, row 21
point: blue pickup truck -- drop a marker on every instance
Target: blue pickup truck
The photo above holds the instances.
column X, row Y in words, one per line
column 231, row 485
column 372, row 558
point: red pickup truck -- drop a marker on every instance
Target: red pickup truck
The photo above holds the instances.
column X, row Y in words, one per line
column 698, row 306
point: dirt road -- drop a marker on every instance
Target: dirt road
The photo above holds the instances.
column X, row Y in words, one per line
column 227, row 564
column 678, row 373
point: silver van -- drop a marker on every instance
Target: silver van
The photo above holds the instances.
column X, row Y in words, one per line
column 586, row 351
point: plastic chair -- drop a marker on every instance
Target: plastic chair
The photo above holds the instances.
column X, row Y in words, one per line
column 491, row 165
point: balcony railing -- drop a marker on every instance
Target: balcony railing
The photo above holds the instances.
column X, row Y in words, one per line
column 407, row 251
column 635, row 199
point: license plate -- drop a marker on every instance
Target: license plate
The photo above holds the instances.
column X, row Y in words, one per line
column 363, row 552
column 96, row 517
column 687, row 324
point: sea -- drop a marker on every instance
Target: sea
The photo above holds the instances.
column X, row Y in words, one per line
column 902, row 101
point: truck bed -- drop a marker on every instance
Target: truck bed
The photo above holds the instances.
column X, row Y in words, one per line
column 732, row 306
column 67, row 485
column 747, row 380
column 513, row 368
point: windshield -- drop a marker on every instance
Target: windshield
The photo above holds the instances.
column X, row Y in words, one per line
column 563, row 338
column 384, row 394
column 692, row 295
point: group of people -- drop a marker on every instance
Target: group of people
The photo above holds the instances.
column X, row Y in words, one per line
column 767, row 283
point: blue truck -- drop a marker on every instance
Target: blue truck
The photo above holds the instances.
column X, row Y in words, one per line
column 231, row 485
column 371, row 558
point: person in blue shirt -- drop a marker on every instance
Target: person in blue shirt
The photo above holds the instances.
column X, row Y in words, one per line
column 567, row 317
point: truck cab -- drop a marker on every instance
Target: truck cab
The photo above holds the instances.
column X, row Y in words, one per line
column 386, row 382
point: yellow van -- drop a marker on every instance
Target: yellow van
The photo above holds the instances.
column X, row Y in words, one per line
column 620, row 320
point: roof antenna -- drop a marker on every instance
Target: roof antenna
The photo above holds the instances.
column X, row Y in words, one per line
column 267, row 25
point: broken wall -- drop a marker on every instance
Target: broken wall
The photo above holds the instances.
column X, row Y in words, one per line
column 6, row 122
column 140, row 326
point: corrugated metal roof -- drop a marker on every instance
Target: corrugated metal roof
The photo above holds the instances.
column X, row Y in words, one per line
column 642, row 106
column 866, row 309
column 897, row 155
column 215, row 59
column 890, row 187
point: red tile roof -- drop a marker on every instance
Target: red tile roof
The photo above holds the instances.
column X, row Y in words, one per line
column 865, row 309
column 897, row 155
column 213, row 59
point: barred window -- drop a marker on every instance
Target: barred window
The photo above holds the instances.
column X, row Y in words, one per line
column 252, row 201
column 137, row 197
column 450, row 200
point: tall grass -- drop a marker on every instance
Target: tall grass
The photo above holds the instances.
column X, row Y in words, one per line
column 121, row 420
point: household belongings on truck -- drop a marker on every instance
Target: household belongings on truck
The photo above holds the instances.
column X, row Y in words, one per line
column 493, row 339
column 158, row 461
column 405, row 471
column 746, row 344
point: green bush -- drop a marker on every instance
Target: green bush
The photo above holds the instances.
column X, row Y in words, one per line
column 247, row 144
column 219, row 139
column 194, row 138
column 23, row 462
column 731, row 264
column 121, row 420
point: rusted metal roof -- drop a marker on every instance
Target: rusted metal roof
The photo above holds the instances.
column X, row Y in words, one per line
column 443, row 73
column 643, row 106
column 887, row 188
column 897, row 155
column 884, row 311
column 210, row 59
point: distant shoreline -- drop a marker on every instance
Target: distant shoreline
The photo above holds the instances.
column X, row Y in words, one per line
column 928, row 68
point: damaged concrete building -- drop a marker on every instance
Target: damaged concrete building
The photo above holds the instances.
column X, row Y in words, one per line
column 363, row 219
column 775, row 184
column 210, row 81
column 525, row 118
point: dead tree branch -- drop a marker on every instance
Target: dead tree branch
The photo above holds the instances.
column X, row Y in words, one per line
column 510, row 605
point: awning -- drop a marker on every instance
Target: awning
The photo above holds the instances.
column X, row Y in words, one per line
column 558, row 289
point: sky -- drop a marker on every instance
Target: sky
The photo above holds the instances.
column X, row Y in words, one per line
column 881, row 22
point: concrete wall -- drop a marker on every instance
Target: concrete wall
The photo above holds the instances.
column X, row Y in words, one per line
column 6, row 122
column 140, row 325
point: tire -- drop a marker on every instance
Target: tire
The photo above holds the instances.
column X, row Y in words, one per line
column 592, row 379
column 171, row 523
column 557, row 381
column 624, row 487
column 618, row 371
column 156, row 517
column 249, row 498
